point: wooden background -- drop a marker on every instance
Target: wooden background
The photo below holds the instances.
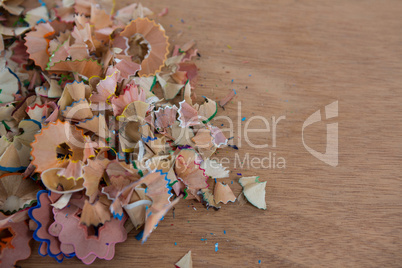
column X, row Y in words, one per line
column 292, row 57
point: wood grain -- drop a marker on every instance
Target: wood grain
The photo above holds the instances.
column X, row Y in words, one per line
column 302, row 55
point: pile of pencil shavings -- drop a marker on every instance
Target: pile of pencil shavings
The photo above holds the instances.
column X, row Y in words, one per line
column 88, row 152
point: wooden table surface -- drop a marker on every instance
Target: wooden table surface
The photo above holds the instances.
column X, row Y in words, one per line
column 291, row 58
